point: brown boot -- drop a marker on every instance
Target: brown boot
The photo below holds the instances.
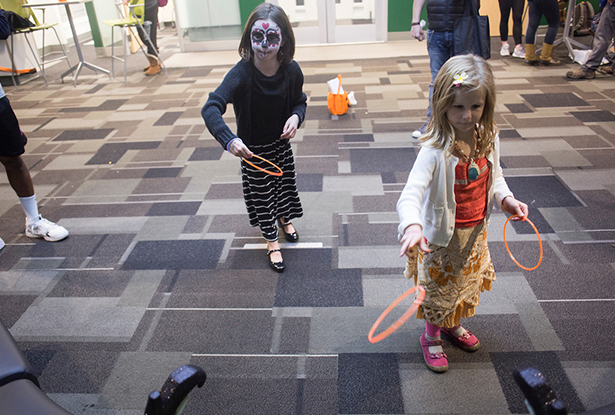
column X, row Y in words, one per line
column 530, row 54
column 545, row 56
column 154, row 66
column 146, row 68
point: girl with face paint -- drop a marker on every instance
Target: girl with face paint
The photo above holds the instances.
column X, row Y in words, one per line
column 266, row 90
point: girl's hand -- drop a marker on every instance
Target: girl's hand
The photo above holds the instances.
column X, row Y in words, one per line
column 412, row 236
column 514, row 207
column 290, row 128
column 239, row 149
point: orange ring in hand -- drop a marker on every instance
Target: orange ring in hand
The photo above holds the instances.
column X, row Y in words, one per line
column 411, row 310
column 273, row 173
column 508, row 249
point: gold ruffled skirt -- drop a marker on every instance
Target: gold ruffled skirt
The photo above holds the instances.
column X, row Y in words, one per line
column 453, row 276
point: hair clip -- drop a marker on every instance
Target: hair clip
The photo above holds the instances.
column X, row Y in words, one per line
column 459, row 79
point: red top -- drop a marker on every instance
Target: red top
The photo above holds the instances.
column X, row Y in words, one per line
column 471, row 196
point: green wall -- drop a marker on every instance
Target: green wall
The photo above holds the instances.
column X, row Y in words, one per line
column 245, row 8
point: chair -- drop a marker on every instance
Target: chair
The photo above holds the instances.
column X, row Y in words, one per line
column 129, row 21
column 26, row 12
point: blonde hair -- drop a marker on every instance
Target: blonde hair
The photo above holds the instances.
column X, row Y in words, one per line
column 440, row 133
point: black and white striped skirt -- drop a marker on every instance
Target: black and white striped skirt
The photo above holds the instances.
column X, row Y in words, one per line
column 269, row 198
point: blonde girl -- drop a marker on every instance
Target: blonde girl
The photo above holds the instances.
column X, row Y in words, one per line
column 445, row 206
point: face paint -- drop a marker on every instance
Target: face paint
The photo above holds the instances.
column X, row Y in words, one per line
column 266, row 38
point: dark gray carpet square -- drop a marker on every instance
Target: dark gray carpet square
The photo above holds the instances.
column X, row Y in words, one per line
column 112, row 152
column 168, row 118
column 295, row 336
column 110, row 250
column 91, row 284
column 379, row 160
column 307, row 182
column 351, row 138
column 369, row 234
column 157, row 173
column 181, row 254
column 227, row 331
column 575, row 321
column 174, row 209
column 553, row 281
column 319, row 288
column 369, row 384
column 546, row 100
column 108, row 105
column 13, row 306
column 222, row 288
column 523, row 227
column 518, row 108
column 542, row 191
column 225, row 191
column 196, row 73
column 548, row 363
column 594, row 116
column 206, row 153
column 76, row 135
column 73, row 246
column 509, row 134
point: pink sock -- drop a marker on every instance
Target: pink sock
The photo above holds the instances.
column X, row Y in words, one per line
column 432, row 330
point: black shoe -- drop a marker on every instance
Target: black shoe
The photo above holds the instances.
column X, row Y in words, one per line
column 290, row 237
column 552, row 62
column 276, row 266
column 532, row 62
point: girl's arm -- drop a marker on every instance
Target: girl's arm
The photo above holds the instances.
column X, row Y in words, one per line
column 215, row 107
column 411, row 198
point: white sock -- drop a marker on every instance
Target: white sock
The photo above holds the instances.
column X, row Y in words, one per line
column 30, row 208
column 434, row 349
column 459, row 331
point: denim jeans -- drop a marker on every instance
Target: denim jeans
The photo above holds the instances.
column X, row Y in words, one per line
column 440, row 49
column 602, row 40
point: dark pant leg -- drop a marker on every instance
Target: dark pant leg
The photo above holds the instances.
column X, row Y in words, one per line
column 534, row 16
column 505, row 6
column 517, row 12
column 151, row 15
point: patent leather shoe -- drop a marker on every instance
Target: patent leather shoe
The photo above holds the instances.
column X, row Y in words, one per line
column 290, row 237
column 276, row 266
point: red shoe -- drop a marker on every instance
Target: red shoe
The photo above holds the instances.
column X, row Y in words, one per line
column 467, row 341
column 435, row 361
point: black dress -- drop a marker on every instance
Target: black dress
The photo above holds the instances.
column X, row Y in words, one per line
column 269, row 198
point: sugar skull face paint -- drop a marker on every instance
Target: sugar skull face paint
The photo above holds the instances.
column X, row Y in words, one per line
column 266, row 38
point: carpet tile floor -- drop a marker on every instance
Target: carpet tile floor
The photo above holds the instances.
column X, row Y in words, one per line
column 162, row 267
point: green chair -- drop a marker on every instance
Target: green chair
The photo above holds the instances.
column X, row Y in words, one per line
column 128, row 23
column 15, row 6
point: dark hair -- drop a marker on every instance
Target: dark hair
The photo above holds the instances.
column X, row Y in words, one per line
column 277, row 15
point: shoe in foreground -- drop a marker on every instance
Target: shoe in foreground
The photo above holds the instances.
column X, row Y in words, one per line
column 435, row 361
column 581, row 74
column 46, row 229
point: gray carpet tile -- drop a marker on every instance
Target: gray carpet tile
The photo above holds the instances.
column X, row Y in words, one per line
column 200, row 254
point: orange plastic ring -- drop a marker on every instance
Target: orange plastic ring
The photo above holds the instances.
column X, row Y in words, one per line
column 508, row 249
column 273, row 173
column 411, row 310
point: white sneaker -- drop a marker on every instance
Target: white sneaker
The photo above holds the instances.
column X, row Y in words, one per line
column 519, row 52
column 1, row 244
column 48, row 230
column 505, row 51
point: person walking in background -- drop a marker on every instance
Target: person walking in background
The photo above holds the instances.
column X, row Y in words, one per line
column 151, row 20
column 266, row 90
column 445, row 206
column 442, row 15
column 12, row 146
column 536, row 9
column 517, row 15
column 602, row 41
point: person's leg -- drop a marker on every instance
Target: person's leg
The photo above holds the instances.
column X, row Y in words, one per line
column 602, row 39
column 534, row 16
column 550, row 9
column 517, row 12
column 151, row 15
column 505, row 6
column 433, row 353
column 440, row 49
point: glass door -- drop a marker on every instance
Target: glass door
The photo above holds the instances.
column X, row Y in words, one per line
column 336, row 21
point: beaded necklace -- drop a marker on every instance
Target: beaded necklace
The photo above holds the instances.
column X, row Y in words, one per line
column 473, row 170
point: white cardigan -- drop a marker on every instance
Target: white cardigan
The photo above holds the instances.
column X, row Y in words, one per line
column 428, row 199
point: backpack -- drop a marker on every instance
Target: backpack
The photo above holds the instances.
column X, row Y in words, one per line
column 582, row 21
